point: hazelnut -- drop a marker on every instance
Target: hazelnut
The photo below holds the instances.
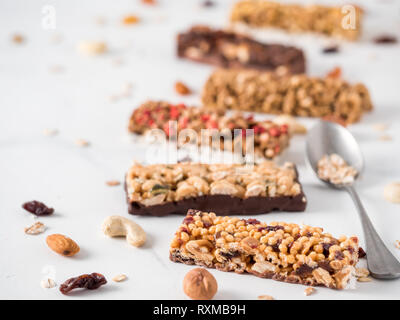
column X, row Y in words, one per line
column 199, row 284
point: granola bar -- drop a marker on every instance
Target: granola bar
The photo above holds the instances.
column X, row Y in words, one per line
column 270, row 138
column 230, row 50
column 328, row 21
column 162, row 189
column 278, row 250
column 281, row 93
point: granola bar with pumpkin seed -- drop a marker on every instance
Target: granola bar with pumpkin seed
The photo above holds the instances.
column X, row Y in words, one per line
column 282, row 93
column 277, row 250
column 339, row 22
column 163, row 189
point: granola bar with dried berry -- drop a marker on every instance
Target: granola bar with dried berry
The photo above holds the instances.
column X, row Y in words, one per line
column 163, row 189
column 277, row 250
column 231, row 50
column 282, row 93
column 320, row 19
column 270, row 138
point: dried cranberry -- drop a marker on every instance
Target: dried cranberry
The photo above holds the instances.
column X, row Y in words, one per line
column 212, row 124
column 37, row 208
column 205, row 117
column 258, row 129
column 284, row 128
column 174, row 113
column 275, row 132
column 86, row 281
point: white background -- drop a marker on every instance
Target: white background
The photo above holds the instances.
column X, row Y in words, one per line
column 76, row 102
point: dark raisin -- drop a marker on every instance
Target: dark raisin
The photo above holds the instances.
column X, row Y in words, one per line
column 208, row 3
column 326, row 247
column 339, row 255
column 192, row 212
column 86, row 281
column 185, row 159
column 252, row 221
column 207, row 224
column 37, row 208
column 331, row 49
column 361, row 253
column 304, row 270
column 188, row 220
column 385, row 39
column 274, row 228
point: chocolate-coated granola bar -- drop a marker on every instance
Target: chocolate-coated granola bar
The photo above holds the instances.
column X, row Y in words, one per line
column 277, row 250
column 161, row 189
column 230, row 50
column 282, row 93
column 270, row 139
column 340, row 22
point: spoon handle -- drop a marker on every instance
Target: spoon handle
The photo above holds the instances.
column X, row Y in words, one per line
column 381, row 263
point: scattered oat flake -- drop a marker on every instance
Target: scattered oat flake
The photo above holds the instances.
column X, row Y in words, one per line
column 385, row 137
column 335, row 73
column 82, row 143
column 113, row 183
column 101, row 21
column 56, row 38
column 18, row 38
column 362, row 272
column 308, row 291
column 131, row 19
column 380, row 127
column 364, row 279
column 56, row 69
column 181, row 88
column 119, row 278
column 397, row 244
column 266, row 297
column 92, row 48
column 36, row 228
column 50, row 132
column 47, row 283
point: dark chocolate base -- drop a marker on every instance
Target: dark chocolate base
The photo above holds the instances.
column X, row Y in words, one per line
column 176, row 257
column 262, row 56
column 222, row 205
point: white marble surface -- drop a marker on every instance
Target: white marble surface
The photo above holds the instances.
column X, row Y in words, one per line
column 72, row 179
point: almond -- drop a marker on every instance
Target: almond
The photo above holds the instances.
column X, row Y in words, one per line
column 62, row 245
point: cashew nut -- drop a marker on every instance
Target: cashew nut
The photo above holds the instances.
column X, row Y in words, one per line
column 117, row 226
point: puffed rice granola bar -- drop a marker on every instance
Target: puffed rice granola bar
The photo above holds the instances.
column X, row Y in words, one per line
column 270, row 138
column 281, row 93
column 278, row 250
column 328, row 21
column 163, row 189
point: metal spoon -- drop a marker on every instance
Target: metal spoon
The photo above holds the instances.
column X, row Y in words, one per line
column 326, row 138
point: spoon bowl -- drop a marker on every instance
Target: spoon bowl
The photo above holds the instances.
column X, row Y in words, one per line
column 326, row 138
